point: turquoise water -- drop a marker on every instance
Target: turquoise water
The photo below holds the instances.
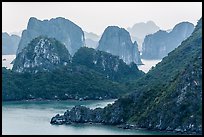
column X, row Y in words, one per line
column 32, row 118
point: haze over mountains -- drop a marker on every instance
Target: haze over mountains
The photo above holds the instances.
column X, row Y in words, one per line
column 9, row 44
column 139, row 30
column 19, row 33
column 91, row 39
column 159, row 44
column 74, row 37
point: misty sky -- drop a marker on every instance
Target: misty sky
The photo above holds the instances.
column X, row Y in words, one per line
column 96, row 16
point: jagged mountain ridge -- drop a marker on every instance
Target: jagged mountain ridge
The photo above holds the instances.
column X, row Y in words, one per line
column 59, row 28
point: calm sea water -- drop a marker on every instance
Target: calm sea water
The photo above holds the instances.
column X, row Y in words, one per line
column 33, row 118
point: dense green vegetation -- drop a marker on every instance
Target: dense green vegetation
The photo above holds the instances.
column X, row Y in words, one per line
column 45, row 70
column 105, row 63
column 71, row 82
column 168, row 97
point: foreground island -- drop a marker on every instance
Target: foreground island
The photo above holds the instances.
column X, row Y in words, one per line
column 167, row 98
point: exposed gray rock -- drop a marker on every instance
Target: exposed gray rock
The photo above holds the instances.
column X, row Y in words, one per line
column 60, row 28
column 78, row 114
column 117, row 41
column 82, row 114
column 58, row 120
column 42, row 54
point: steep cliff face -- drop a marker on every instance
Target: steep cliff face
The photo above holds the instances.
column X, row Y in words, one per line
column 107, row 64
column 154, row 45
column 60, row 28
column 117, row 41
column 41, row 54
column 159, row 44
column 9, row 44
column 168, row 98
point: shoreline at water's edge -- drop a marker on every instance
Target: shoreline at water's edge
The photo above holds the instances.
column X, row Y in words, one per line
column 39, row 100
column 141, row 129
column 134, row 127
column 81, row 114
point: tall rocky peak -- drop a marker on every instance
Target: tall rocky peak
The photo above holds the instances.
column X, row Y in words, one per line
column 117, row 41
column 59, row 28
column 107, row 64
column 159, row 44
column 9, row 43
column 42, row 54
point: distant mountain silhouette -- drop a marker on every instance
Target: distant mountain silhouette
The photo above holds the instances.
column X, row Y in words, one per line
column 9, row 44
column 159, row 44
column 91, row 39
column 139, row 30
